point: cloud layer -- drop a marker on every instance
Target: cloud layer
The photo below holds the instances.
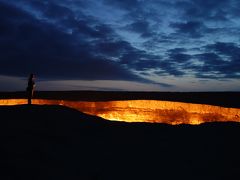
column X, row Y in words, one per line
column 128, row 40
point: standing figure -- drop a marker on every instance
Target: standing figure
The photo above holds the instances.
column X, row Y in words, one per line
column 30, row 88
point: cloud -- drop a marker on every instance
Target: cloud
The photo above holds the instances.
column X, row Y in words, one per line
column 177, row 50
column 124, row 4
column 129, row 40
column 113, row 48
column 140, row 26
column 223, row 48
column 193, row 29
column 176, row 55
column 52, row 52
column 221, row 61
column 214, row 10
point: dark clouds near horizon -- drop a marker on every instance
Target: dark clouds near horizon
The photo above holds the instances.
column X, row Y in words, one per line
column 120, row 40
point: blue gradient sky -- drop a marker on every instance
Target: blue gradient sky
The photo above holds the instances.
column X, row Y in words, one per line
column 133, row 45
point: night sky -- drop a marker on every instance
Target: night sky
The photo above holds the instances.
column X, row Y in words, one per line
column 133, row 45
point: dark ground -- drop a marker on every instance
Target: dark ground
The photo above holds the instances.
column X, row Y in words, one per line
column 54, row 142
column 225, row 99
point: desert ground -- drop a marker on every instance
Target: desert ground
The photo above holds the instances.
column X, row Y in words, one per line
column 56, row 142
column 225, row 99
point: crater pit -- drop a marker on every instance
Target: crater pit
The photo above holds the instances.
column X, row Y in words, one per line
column 151, row 111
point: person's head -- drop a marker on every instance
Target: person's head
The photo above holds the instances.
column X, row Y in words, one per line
column 31, row 76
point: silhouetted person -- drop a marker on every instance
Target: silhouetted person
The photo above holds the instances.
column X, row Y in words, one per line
column 30, row 88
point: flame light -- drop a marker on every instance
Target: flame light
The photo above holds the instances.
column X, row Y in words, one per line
column 152, row 111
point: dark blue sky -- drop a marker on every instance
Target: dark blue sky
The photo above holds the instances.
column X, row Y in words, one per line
column 145, row 45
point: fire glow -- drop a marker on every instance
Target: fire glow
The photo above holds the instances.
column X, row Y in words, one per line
column 151, row 111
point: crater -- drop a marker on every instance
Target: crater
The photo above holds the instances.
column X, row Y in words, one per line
column 151, row 111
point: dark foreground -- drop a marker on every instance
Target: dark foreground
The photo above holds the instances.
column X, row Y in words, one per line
column 53, row 142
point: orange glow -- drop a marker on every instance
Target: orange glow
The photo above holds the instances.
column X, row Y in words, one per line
column 152, row 111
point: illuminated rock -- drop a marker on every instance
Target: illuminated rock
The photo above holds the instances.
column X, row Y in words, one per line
column 153, row 111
